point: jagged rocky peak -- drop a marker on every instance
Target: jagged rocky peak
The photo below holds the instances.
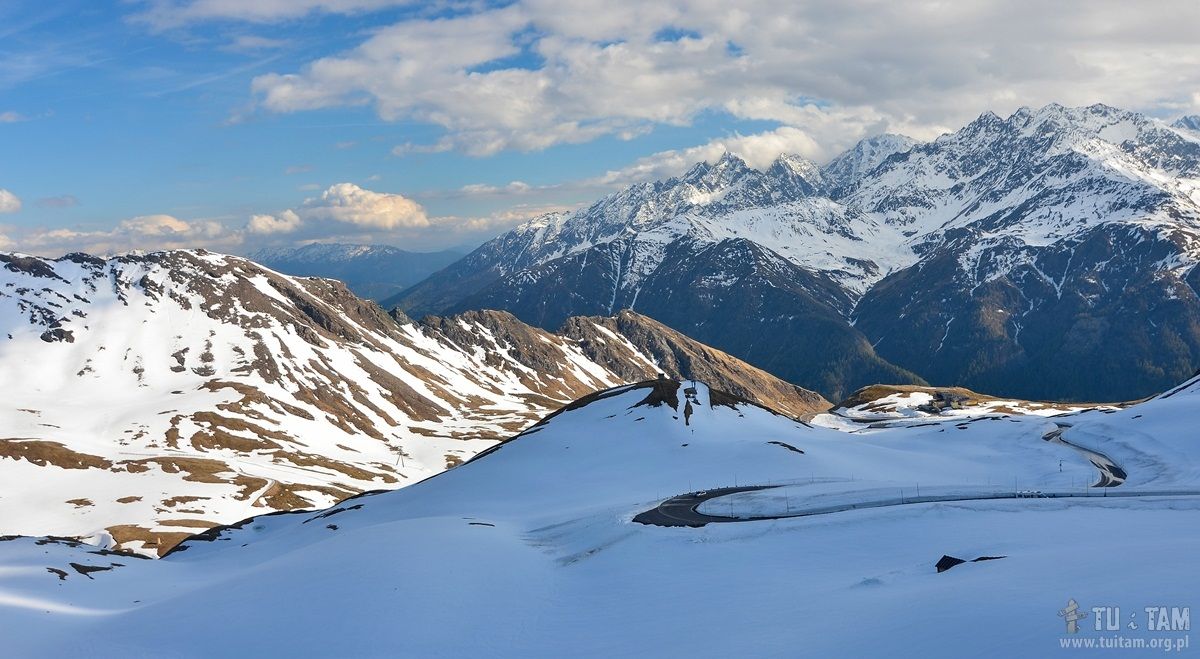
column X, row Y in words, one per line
column 794, row 176
column 852, row 165
column 1188, row 122
column 726, row 171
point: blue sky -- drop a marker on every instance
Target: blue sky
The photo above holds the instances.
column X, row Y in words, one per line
column 164, row 123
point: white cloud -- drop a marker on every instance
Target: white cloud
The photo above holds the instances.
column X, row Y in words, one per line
column 441, row 146
column 285, row 222
column 485, row 190
column 758, row 150
column 250, row 43
column 11, row 117
column 145, row 232
column 492, row 223
column 342, row 208
column 9, row 202
column 831, row 70
column 350, row 204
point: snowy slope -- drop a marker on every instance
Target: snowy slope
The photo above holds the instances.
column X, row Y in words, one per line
column 530, row 550
column 151, row 396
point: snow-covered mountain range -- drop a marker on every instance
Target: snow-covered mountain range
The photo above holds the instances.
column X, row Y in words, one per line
column 151, row 396
column 1017, row 255
column 669, row 519
column 369, row 271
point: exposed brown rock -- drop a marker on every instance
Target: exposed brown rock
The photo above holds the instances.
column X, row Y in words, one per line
column 681, row 357
column 41, row 452
column 159, row 541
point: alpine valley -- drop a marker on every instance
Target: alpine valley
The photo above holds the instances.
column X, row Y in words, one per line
column 1050, row 254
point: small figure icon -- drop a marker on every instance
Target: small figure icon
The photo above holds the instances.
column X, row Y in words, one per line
column 1072, row 615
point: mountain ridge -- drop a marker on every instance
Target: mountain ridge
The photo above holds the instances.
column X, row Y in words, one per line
column 170, row 391
column 370, row 271
column 995, row 209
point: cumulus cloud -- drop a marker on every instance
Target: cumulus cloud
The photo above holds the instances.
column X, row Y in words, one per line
column 144, row 232
column 758, row 150
column 285, row 222
column 9, row 202
column 536, row 73
column 342, row 208
column 350, row 204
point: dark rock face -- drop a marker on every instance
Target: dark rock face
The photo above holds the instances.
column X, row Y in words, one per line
column 1091, row 320
column 710, row 293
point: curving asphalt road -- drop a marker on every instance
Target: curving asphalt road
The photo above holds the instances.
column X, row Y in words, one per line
column 1111, row 475
column 682, row 510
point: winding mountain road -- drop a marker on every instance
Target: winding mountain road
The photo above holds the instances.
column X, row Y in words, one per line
column 683, row 510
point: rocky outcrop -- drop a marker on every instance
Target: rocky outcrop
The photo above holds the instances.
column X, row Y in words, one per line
column 680, row 357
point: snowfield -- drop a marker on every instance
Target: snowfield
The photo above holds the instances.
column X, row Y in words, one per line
column 530, row 548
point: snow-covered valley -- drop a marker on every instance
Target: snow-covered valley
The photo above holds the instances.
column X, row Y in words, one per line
column 531, row 549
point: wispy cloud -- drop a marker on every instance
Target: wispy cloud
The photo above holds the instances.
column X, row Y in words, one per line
column 167, row 14
column 252, row 43
column 216, row 77
column 61, row 201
